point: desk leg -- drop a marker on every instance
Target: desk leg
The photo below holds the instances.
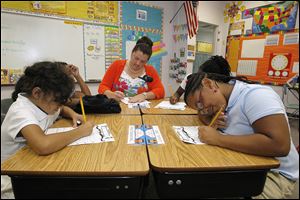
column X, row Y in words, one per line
column 187, row 185
column 40, row 187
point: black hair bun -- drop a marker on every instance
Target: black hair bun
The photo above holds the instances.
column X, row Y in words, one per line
column 145, row 40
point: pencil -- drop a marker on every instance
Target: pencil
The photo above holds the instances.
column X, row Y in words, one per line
column 82, row 109
column 171, row 90
column 216, row 116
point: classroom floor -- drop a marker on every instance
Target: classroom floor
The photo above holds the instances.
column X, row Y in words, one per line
column 150, row 192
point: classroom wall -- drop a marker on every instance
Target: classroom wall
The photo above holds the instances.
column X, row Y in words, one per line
column 248, row 5
column 208, row 11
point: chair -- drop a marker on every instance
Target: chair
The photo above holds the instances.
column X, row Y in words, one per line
column 293, row 107
column 5, row 104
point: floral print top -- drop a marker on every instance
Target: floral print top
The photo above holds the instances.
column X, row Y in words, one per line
column 130, row 86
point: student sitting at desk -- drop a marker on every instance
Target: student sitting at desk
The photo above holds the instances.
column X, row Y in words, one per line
column 39, row 98
column 73, row 71
column 133, row 78
column 215, row 64
column 256, row 124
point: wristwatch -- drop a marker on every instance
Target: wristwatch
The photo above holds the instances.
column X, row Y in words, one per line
column 145, row 94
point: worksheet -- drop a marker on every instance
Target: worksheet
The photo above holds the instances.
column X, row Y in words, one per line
column 168, row 105
column 144, row 134
column 188, row 134
column 101, row 133
column 144, row 104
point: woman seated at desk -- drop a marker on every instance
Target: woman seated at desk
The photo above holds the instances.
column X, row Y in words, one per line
column 133, row 78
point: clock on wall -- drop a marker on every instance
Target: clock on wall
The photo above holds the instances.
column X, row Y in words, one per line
column 279, row 65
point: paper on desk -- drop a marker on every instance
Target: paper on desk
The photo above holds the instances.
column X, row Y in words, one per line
column 144, row 104
column 144, row 134
column 168, row 105
column 101, row 133
column 188, row 134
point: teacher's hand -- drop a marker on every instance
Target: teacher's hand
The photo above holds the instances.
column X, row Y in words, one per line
column 137, row 99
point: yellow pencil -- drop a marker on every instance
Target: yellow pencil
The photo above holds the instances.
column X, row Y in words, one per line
column 82, row 109
column 216, row 116
column 171, row 90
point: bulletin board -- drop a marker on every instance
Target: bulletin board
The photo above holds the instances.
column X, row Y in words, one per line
column 265, row 58
column 96, row 11
column 142, row 20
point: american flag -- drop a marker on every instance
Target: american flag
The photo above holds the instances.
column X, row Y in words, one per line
column 190, row 8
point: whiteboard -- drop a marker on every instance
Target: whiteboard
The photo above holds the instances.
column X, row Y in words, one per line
column 29, row 39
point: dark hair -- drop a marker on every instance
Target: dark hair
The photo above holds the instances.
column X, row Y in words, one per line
column 144, row 45
column 216, row 64
column 194, row 81
column 50, row 77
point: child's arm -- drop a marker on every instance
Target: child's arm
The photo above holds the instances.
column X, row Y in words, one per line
column 84, row 88
column 46, row 144
column 69, row 113
column 175, row 98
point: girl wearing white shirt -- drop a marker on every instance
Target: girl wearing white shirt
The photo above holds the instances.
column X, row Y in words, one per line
column 256, row 124
column 40, row 95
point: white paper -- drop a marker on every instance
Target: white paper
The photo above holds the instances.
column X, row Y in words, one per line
column 236, row 32
column 253, row 48
column 168, row 105
column 129, row 47
column 144, row 104
column 272, row 40
column 247, row 67
column 101, row 133
column 248, row 24
column 94, row 51
column 296, row 67
column 291, row 38
column 188, row 134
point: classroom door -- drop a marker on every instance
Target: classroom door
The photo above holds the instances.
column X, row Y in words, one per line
column 205, row 42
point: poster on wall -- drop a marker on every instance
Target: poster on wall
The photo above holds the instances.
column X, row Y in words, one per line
column 274, row 17
column 129, row 39
column 140, row 20
column 97, row 11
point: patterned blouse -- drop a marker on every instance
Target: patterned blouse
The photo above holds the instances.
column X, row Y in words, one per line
column 130, row 86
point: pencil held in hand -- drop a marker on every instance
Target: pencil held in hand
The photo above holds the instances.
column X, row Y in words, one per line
column 82, row 110
column 216, row 116
column 171, row 90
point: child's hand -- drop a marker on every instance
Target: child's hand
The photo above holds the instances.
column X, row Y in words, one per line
column 208, row 135
column 174, row 99
column 77, row 118
column 74, row 70
column 87, row 128
column 220, row 121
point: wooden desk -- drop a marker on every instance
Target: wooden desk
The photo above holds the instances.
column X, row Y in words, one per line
column 192, row 171
column 159, row 111
column 103, row 170
column 129, row 111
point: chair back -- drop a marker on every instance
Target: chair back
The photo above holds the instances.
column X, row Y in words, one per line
column 5, row 104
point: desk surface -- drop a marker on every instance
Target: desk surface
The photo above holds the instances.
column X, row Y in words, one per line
column 104, row 159
column 159, row 111
column 129, row 111
column 175, row 155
